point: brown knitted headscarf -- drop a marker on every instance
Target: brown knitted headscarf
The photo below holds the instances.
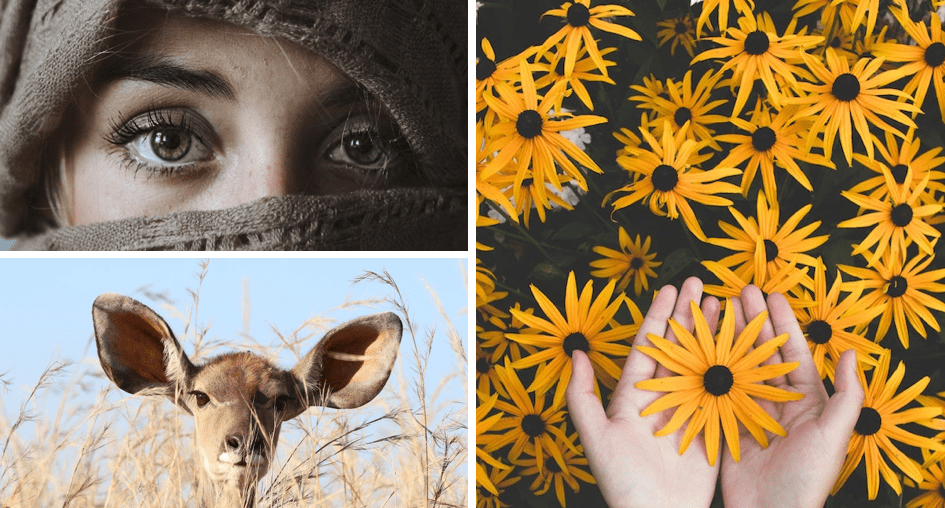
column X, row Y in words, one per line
column 410, row 54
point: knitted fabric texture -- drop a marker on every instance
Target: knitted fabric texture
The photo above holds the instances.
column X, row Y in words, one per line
column 411, row 54
column 397, row 219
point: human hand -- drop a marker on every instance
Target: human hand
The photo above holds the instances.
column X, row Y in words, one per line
column 632, row 467
column 799, row 469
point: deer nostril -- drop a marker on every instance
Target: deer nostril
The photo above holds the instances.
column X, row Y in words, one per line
column 233, row 442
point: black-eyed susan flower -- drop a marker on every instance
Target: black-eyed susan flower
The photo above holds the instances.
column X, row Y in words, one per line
column 488, row 72
column 901, row 289
column 925, row 61
column 487, row 381
column 879, row 425
column 526, row 134
column 502, row 479
column 897, row 221
column 486, row 293
column 487, row 189
column 835, row 15
column 787, row 280
column 763, row 246
column 553, row 64
column 527, row 425
column 527, row 195
column 669, row 180
column 552, row 474
column 632, row 261
column 496, row 341
column 578, row 15
column 932, row 485
column 754, row 50
column 723, row 6
column 677, row 32
column 829, row 322
column 899, row 161
column 848, row 99
column 772, row 140
column 484, row 422
column 717, row 378
column 685, row 103
column 581, row 327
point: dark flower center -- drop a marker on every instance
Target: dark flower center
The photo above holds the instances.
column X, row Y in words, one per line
column 552, row 465
column 576, row 340
column 636, row 263
column 763, row 139
column 527, row 182
column 578, row 15
column 846, row 87
column 897, row 286
column 528, row 123
column 935, row 54
column 756, row 43
column 835, row 42
column 899, row 173
column 819, row 332
column 771, row 250
column 484, row 69
column 664, row 178
column 718, row 380
column 901, row 215
column 533, row 425
column 482, row 366
column 682, row 116
column 941, row 490
column 681, row 28
column 868, row 423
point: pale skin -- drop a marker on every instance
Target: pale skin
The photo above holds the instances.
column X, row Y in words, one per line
column 192, row 114
column 797, row 470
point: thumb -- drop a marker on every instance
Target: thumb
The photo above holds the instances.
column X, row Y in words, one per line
column 585, row 408
column 843, row 408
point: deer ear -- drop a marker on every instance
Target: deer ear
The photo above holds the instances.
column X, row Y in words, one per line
column 350, row 365
column 136, row 347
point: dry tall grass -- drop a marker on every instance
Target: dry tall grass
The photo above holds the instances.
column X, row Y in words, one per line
column 406, row 448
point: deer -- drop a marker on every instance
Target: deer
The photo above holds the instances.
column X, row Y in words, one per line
column 239, row 400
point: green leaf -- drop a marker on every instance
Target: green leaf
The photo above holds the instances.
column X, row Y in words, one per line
column 572, row 231
column 675, row 262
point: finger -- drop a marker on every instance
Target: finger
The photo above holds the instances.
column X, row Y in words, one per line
column 585, row 408
column 710, row 309
column 736, row 306
column 691, row 291
column 753, row 303
column 805, row 376
column 843, row 409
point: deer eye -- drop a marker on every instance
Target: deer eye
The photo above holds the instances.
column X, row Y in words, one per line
column 282, row 403
column 202, row 398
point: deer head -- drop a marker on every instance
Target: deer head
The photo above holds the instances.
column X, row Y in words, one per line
column 240, row 400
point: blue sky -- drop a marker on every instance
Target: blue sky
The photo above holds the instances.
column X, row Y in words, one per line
column 45, row 304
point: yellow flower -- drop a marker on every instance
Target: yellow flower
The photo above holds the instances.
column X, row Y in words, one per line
column 499, row 344
column 488, row 72
column 762, row 247
column 633, row 260
column 554, row 67
column 582, row 328
column 526, row 133
column 484, row 423
column 716, row 382
column 579, row 15
column 754, row 50
column 684, row 104
column 933, row 477
column 723, row 6
column 897, row 221
column 898, row 290
column 878, row 425
column 527, row 195
column 679, row 31
column 669, row 180
column 486, row 293
column 848, row 99
column 828, row 323
column 787, row 280
column 501, row 479
column 899, row 161
column 551, row 473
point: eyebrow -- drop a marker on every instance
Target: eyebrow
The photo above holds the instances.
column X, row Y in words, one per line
column 163, row 71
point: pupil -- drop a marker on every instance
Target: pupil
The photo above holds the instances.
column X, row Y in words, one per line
column 718, row 380
column 846, row 87
column 756, row 43
column 636, row 263
column 533, row 425
column 484, row 69
column 901, row 215
column 819, row 332
column 529, row 124
column 169, row 144
column 897, row 286
column 868, row 423
column 664, row 178
column 935, row 54
column 482, row 366
column 899, row 173
column 552, row 465
column 681, row 28
column 771, row 250
column 578, row 15
column 682, row 116
column 763, row 139
column 361, row 148
column 575, row 341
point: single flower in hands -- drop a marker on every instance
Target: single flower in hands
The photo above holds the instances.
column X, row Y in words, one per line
column 716, row 382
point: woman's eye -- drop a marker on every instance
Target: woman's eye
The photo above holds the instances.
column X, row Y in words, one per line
column 363, row 149
column 169, row 146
